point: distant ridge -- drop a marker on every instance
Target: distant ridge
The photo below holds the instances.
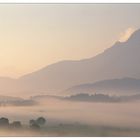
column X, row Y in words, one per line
column 121, row 60
column 122, row 86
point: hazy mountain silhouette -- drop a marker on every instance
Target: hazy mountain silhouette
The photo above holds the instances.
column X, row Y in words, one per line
column 85, row 97
column 93, row 98
column 112, row 86
column 15, row 101
column 121, row 60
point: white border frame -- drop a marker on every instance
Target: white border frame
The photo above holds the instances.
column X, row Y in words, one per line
column 70, row 1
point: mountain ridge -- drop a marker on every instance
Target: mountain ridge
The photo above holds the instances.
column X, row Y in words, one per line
column 120, row 60
column 121, row 86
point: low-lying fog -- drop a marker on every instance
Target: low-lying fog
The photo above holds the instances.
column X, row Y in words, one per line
column 60, row 111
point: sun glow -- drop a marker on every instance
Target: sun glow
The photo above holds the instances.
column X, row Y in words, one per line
column 124, row 36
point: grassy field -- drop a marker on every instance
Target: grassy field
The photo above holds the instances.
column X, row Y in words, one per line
column 73, row 130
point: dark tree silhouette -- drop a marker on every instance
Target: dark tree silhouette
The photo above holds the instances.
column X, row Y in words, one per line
column 4, row 122
column 32, row 122
column 35, row 126
column 16, row 124
column 41, row 121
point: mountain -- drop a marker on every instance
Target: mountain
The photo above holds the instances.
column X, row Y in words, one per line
column 85, row 97
column 93, row 98
column 121, row 60
column 113, row 86
column 15, row 101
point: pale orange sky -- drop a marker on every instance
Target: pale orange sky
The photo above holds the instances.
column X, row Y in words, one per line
column 35, row 35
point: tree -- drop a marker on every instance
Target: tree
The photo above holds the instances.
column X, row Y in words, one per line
column 35, row 126
column 4, row 121
column 32, row 122
column 41, row 121
column 16, row 124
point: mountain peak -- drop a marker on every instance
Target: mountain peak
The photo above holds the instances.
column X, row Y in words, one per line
column 135, row 36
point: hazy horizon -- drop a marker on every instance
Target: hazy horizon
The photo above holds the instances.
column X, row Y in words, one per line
column 36, row 35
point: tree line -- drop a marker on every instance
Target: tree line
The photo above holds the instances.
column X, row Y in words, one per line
column 34, row 124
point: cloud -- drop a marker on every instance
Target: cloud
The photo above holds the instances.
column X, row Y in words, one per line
column 124, row 36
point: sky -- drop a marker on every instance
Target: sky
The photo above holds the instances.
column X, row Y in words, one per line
column 33, row 36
